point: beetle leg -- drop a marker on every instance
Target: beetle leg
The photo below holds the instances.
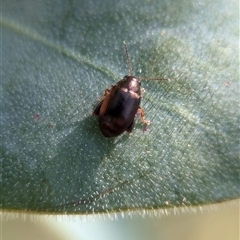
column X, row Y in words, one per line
column 130, row 128
column 141, row 112
column 143, row 90
column 106, row 92
column 97, row 108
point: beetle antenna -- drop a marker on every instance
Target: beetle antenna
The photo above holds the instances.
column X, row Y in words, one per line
column 146, row 78
column 128, row 59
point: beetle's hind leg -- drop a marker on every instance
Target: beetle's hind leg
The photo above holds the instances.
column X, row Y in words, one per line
column 141, row 112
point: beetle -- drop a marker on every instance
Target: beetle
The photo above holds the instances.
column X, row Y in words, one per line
column 120, row 104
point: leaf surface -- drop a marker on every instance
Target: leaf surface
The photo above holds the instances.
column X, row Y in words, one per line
column 58, row 57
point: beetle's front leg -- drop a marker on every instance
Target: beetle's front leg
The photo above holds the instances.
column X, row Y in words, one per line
column 141, row 112
column 101, row 99
column 106, row 92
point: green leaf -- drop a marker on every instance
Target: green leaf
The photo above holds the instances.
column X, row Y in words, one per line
column 58, row 57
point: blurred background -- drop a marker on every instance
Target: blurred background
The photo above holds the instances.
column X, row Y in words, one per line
column 220, row 222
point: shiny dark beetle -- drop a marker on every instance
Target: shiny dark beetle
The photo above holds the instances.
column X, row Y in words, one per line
column 117, row 109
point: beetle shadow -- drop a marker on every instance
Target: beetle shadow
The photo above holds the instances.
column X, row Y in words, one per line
column 78, row 157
